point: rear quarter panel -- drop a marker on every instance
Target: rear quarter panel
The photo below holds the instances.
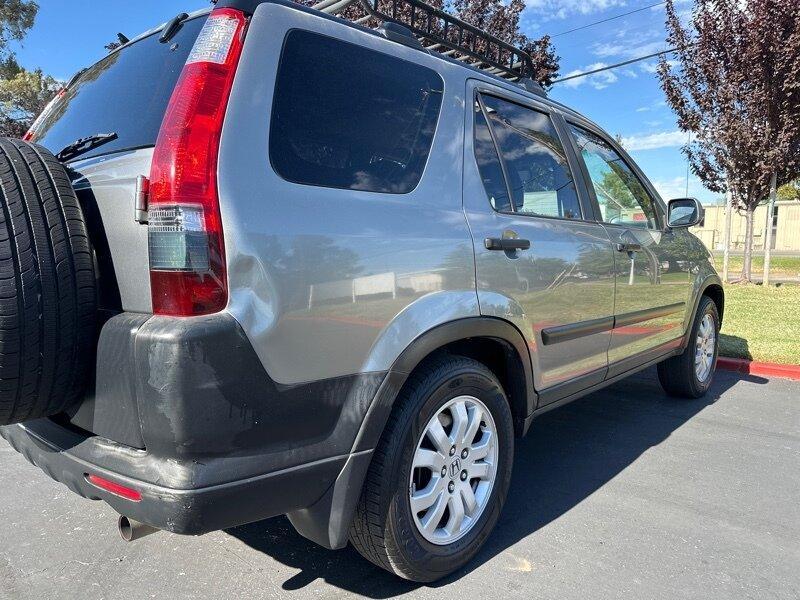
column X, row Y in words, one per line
column 328, row 282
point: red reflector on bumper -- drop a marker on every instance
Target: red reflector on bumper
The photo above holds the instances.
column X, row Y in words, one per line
column 114, row 488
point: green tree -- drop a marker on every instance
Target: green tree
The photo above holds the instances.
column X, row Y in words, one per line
column 616, row 186
column 790, row 191
column 500, row 18
column 16, row 18
column 23, row 95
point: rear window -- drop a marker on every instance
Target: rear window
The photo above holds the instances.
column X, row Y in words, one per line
column 352, row 118
column 125, row 93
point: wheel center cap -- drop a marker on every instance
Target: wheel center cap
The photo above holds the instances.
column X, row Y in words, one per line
column 455, row 468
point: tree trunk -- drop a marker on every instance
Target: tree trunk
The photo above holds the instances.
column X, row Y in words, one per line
column 747, row 265
column 773, row 190
column 726, row 235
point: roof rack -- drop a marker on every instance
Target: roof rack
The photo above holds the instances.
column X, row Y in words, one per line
column 441, row 32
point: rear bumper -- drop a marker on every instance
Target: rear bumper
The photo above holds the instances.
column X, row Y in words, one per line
column 222, row 444
column 68, row 459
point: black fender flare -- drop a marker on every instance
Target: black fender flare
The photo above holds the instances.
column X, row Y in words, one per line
column 705, row 283
column 328, row 521
column 422, row 347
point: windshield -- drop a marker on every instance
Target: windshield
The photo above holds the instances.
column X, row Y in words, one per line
column 127, row 93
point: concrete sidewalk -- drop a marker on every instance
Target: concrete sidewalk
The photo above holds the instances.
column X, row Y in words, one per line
column 624, row 494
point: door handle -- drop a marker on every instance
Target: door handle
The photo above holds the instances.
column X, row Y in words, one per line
column 626, row 247
column 506, row 244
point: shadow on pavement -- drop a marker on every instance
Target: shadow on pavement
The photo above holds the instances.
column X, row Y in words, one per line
column 568, row 454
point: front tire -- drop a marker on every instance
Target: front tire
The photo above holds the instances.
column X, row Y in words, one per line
column 440, row 473
column 690, row 374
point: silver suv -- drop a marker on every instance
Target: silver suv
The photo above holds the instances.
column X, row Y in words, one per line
column 262, row 260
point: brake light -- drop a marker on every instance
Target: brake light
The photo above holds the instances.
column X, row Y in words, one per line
column 115, row 488
column 187, row 254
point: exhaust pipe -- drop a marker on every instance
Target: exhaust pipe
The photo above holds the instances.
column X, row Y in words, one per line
column 131, row 530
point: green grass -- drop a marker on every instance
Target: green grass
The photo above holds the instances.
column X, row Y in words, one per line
column 762, row 323
column 779, row 266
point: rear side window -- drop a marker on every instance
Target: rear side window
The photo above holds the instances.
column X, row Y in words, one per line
column 125, row 93
column 351, row 118
column 539, row 177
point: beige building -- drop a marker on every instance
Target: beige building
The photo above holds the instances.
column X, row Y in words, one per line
column 785, row 232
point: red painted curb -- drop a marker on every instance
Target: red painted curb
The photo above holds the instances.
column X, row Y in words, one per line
column 750, row 367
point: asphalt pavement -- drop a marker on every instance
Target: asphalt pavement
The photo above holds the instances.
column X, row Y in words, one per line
column 623, row 494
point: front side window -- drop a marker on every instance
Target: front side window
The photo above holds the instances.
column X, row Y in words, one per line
column 622, row 198
column 539, row 177
column 352, row 118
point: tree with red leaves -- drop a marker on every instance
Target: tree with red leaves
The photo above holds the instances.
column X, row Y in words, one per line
column 492, row 16
column 736, row 87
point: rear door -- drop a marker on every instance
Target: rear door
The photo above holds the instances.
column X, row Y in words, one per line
column 542, row 262
column 652, row 270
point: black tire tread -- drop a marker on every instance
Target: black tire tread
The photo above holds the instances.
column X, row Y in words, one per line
column 676, row 374
column 368, row 530
column 47, row 286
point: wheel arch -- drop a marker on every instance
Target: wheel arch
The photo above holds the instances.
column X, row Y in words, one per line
column 474, row 337
column 717, row 294
column 709, row 286
column 328, row 521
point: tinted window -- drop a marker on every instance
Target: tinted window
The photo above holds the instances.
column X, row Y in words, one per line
column 348, row 117
column 489, row 164
column 125, row 93
column 535, row 162
column 622, row 197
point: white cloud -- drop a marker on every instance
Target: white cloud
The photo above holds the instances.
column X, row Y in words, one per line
column 600, row 80
column 549, row 10
column 651, row 141
column 652, row 66
column 649, row 67
column 677, row 188
column 626, row 48
column 673, row 188
column 655, row 106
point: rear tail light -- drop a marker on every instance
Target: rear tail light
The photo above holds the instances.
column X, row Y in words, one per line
column 187, row 254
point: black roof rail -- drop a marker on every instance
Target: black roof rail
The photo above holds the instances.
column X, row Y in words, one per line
column 434, row 29
column 441, row 32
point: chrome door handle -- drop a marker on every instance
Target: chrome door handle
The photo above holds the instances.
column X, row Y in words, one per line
column 506, row 244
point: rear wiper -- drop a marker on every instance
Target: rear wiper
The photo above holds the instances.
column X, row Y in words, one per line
column 171, row 27
column 85, row 144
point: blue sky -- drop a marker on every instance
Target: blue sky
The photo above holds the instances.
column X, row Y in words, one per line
column 627, row 101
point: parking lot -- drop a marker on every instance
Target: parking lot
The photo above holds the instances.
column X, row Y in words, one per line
column 625, row 493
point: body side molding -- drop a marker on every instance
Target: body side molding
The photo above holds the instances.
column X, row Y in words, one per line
column 573, row 331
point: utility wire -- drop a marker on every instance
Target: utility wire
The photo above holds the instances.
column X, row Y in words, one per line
column 608, row 19
column 614, row 66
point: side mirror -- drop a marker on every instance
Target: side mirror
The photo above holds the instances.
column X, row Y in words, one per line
column 685, row 212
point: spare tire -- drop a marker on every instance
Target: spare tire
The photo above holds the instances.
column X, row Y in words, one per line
column 47, row 286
